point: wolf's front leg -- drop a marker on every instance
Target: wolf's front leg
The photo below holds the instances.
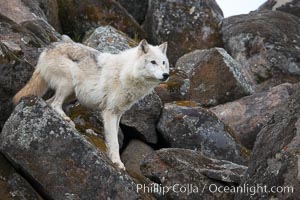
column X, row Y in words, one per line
column 111, row 126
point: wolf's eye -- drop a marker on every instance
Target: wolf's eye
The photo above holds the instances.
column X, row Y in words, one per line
column 164, row 62
column 153, row 62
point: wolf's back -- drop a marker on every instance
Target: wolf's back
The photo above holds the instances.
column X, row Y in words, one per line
column 36, row 86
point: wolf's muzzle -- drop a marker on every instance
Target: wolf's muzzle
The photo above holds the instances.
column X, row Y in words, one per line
column 165, row 77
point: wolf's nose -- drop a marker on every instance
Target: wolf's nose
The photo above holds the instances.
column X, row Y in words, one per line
column 166, row 76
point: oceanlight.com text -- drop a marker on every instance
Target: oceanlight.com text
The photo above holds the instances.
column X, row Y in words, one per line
column 189, row 189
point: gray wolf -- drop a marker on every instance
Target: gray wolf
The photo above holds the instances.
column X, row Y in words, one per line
column 111, row 83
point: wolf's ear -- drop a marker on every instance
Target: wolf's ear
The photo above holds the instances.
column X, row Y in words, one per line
column 144, row 46
column 163, row 47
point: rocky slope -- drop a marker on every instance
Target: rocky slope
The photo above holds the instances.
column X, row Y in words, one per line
column 227, row 119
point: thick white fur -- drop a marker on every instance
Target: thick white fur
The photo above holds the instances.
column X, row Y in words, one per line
column 110, row 82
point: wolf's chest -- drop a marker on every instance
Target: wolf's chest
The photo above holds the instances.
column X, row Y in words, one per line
column 130, row 96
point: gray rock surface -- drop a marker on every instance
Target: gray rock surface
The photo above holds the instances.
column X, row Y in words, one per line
column 108, row 39
column 288, row 6
column 188, row 168
column 28, row 10
column 29, row 15
column 266, row 43
column 50, row 9
column 19, row 188
column 247, row 116
column 78, row 17
column 133, row 156
column 137, row 8
column 39, row 142
column 275, row 158
column 186, row 25
column 198, row 129
column 214, row 77
column 19, row 51
column 12, row 185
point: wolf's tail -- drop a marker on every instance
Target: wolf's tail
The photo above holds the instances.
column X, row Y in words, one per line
column 36, row 86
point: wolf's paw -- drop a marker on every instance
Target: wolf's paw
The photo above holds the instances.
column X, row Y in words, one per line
column 70, row 121
column 119, row 165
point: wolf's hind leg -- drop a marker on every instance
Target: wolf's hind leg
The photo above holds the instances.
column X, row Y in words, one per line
column 111, row 125
column 58, row 99
column 50, row 100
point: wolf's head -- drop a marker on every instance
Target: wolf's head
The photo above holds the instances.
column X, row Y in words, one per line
column 153, row 62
